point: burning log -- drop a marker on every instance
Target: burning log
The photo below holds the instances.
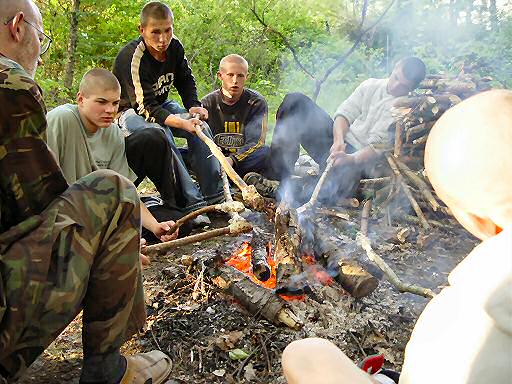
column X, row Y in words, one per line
column 256, row 299
column 249, row 192
column 353, row 277
column 234, row 229
column 260, row 266
column 288, row 240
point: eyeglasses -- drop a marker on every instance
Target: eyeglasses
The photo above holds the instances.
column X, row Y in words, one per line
column 45, row 41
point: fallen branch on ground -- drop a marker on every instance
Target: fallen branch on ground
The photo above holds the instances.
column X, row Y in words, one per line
column 393, row 278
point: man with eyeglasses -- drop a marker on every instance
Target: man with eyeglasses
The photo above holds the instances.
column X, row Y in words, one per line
column 63, row 248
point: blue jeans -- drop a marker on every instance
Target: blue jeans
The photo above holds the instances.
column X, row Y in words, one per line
column 204, row 165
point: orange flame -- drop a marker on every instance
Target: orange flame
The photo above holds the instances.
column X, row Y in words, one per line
column 242, row 260
column 317, row 271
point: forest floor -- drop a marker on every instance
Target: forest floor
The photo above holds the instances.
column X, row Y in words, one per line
column 212, row 339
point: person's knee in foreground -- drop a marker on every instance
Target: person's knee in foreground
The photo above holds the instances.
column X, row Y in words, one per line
column 238, row 117
column 61, row 249
column 464, row 335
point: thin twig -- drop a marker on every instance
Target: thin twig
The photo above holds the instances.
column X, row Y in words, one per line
column 358, row 344
column 314, row 196
column 265, row 352
column 405, row 188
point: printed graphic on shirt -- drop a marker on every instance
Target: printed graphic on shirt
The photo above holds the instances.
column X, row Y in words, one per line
column 232, row 138
column 163, row 84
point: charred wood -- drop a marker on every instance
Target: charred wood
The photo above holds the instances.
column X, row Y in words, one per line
column 352, row 276
column 255, row 298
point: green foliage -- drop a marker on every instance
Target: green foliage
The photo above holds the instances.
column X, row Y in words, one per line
column 319, row 30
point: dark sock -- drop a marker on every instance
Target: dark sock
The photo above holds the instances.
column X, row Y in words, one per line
column 103, row 369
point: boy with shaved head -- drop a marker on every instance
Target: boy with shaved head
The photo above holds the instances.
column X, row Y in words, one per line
column 63, row 249
column 464, row 335
column 238, row 117
column 148, row 68
column 84, row 139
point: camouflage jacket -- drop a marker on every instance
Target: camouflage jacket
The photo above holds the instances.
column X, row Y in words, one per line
column 29, row 175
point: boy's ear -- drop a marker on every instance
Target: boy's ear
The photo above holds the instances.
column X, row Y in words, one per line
column 481, row 227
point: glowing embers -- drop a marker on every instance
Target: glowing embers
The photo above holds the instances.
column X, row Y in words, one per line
column 313, row 273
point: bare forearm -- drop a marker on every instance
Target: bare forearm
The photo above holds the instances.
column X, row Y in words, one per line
column 147, row 219
column 174, row 121
column 340, row 129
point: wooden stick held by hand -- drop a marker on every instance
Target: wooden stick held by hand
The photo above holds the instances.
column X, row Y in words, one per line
column 314, row 196
column 249, row 193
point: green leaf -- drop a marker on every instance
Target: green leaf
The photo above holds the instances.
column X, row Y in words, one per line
column 238, row 354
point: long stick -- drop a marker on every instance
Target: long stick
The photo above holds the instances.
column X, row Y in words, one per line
column 227, row 207
column 314, row 197
column 233, row 229
column 398, row 139
column 365, row 214
column 249, row 193
column 390, row 274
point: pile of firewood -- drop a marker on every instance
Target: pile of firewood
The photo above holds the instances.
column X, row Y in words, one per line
column 417, row 114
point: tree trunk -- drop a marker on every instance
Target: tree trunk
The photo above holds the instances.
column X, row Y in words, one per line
column 454, row 12
column 73, row 40
column 469, row 10
column 493, row 10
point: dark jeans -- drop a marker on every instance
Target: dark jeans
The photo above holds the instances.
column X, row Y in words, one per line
column 257, row 161
column 204, row 165
column 149, row 154
column 299, row 121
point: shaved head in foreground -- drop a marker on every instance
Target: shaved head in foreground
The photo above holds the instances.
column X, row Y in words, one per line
column 469, row 163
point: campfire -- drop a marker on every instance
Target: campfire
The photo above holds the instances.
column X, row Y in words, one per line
column 303, row 261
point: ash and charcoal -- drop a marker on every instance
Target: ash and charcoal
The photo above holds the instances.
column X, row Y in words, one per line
column 214, row 339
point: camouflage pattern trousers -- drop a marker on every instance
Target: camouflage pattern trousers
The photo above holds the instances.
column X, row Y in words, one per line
column 83, row 253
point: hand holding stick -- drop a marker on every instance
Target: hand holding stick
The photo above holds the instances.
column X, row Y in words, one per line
column 249, row 192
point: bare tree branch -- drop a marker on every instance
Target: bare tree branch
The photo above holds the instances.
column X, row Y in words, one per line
column 284, row 40
column 320, row 82
column 346, row 55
